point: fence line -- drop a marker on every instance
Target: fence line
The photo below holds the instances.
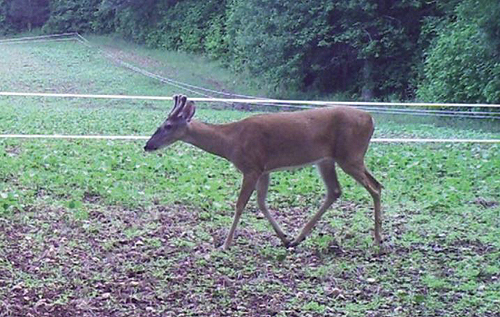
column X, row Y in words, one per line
column 138, row 137
column 166, row 80
column 272, row 103
column 30, row 38
column 138, row 70
column 84, row 41
column 73, row 137
column 374, row 107
column 416, row 140
column 77, row 37
column 436, row 113
column 253, row 101
column 43, row 41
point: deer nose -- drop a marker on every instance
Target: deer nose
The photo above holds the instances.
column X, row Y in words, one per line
column 149, row 148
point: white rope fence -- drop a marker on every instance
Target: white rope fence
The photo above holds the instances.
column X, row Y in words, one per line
column 377, row 107
column 31, row 39
column 73, row 137
column 169, row 81
column 271, row 102
column 80, row 39
column 253, row 101
column 44, row 40
column 144, row 138
column 283, row 103
column 243, row 99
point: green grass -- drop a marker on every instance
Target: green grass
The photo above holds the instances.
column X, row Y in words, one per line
column 102, row 228
column 181, row 66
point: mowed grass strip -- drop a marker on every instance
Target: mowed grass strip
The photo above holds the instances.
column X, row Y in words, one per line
column 101, row 228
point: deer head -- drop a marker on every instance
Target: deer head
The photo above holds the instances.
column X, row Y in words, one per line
column 175, row 126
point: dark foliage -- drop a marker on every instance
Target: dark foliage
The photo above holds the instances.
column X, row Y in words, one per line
column 368, row 49
column 463, row 63
column 22, row 15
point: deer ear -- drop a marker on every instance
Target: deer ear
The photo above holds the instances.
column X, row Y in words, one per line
column 189, row 111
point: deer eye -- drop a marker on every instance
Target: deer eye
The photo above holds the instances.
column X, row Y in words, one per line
column 168, row 127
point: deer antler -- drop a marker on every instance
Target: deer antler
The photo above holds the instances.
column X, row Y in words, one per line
column 188, row 110
column 179, row 103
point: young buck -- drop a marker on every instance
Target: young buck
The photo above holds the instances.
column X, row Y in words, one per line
column 264, row 143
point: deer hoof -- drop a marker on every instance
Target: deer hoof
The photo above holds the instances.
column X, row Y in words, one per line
column 294, row 243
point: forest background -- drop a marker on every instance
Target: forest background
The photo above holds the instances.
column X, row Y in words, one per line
column 436, row 51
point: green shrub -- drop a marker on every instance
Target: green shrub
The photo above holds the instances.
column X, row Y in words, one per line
column 461, row 66
column 191, row 25
column 71, row 16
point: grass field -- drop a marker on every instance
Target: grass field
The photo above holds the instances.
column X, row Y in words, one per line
column 99, row 228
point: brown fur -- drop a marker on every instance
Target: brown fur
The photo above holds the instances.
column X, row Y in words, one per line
column 264, row 143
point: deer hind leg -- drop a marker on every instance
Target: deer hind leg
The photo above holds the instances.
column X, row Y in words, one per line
column 327, row 171
column 359, row 172
column 262, row 187
column 247, row 188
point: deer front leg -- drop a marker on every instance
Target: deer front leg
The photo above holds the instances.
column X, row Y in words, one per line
column 247, row 188
column 327, row 172
column 262, row 187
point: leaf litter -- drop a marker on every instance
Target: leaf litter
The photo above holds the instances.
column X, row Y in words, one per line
column 166, row 261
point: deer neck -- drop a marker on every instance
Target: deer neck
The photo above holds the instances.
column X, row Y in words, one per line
column 211, row 138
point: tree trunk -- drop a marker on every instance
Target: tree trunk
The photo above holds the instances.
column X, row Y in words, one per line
column 367, row 90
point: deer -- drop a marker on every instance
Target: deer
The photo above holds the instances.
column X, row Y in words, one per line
column 263, row 143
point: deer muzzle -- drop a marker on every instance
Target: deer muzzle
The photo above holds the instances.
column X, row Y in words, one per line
column 150, row 148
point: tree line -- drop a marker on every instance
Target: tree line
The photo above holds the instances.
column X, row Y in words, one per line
column 439, row 51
